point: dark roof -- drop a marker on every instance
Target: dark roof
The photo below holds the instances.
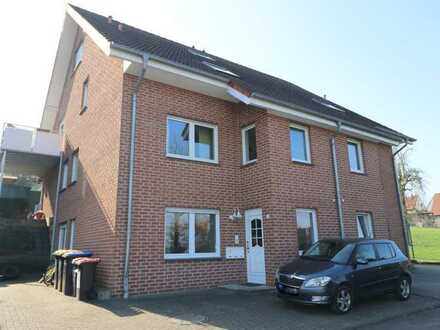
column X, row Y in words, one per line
column 252, row 80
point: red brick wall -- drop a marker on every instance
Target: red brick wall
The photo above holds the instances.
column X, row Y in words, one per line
column 91, row 201
column 274, row 183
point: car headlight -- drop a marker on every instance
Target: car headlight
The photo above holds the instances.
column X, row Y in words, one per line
column 317, row 282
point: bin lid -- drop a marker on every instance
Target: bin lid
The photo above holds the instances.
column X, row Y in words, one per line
column 85, row 260
column 59, row 253
column 77, row 253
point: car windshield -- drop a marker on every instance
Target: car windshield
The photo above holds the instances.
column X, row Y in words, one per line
column 334, row 251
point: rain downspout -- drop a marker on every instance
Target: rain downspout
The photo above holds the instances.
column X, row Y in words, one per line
column 399, row 197
column 337, row 183
column 145, row 58
column 55, row 213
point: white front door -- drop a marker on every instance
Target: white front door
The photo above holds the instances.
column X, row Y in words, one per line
column 256, row 270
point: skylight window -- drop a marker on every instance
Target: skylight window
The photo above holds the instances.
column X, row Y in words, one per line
column 328, row 105
column 220, row 69
column 201, row 54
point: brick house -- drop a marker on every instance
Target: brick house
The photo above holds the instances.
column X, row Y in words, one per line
column 184, row 170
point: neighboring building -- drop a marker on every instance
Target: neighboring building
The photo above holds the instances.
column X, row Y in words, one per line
column 414, row 204
column 233, row 170
column 434, row 206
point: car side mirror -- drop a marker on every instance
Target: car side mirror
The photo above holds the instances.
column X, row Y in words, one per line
column 361, row 261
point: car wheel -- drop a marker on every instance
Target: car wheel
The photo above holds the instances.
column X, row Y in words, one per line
column 403, row 289
column 343, row 300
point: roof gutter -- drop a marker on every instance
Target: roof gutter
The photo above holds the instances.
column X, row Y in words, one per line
column 145, row 59
column 134, row 55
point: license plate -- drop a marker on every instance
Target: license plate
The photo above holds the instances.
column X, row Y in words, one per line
column 291, row 290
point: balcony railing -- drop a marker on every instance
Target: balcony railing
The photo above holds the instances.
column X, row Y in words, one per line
column 32, row 140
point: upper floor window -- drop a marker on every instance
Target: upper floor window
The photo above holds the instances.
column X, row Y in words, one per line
column 188, row 139
column 65, row 177
column 192, row 233
column 355, row 156
column 74, row 176
column 364, row 225
column 85, row 95
column 307, row 229
column 299, row 143
column 78, row 55
column 249, row 144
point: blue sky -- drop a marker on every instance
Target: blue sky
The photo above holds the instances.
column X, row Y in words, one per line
column 379, row 58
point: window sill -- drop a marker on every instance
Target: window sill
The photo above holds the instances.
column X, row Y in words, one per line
column 250, row 163
column 171, row 259
column 300, row 162
column 358, row 173
column 62, row 190
column 193, row 160
column 84, row 109
column 72, row 183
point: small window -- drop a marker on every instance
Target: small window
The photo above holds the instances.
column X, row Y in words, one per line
column 355, row 156
column 78, row 55
column 384, row 251
column 85, row 95
column 72, row 234
column 65, row 177
column 249, row 144
column 74, row 176
column 299, row 143
column 192, row 233
column 307, row 229
column 364, row 225
column 366, row 252
column 62, row 236
column 192, row 140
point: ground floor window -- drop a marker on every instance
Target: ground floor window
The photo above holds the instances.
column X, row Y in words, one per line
column 307, row 229
column 364, row 225
column 72, row 233
column 62, row 236
column 192, row 233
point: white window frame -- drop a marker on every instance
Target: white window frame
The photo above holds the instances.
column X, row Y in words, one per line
column 75, row 160
column 191, row 239
column 360, row 156
column 307, row 142
column 78, row 55
column 72, row 233
column 65, row 177
column 192, row 144
column 370, row 224
column 85, row 95
column 244, row 146
column 63, row 238
column 314, row 224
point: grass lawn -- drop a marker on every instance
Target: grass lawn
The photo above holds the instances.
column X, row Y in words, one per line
column 426, row 243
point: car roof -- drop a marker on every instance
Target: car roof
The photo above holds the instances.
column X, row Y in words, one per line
column 356, row 240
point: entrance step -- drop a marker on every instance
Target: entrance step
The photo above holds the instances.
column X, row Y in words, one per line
column 246, row 287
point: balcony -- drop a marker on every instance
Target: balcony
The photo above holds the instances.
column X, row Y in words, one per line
column 28, row 151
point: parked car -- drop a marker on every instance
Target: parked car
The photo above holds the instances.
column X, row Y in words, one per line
column 338, row 272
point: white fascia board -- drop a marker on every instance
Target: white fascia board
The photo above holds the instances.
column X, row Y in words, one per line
column 97, row 37
column 239, row 96
column 294, row 114
column 368, row 136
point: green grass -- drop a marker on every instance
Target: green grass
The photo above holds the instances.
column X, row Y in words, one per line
column 426, row 243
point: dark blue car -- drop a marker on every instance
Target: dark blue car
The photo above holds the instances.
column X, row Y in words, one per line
column 338, row 272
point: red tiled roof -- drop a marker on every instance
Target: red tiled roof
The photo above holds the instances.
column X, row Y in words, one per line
column 435, row 204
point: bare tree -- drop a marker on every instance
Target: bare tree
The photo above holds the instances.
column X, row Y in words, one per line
column 411, row 179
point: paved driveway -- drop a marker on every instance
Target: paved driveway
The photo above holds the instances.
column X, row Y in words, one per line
column 29, row 305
